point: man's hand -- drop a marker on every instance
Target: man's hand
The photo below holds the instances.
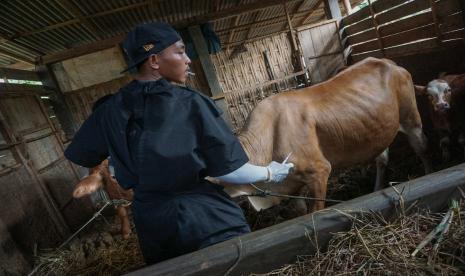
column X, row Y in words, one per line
column 277, row 171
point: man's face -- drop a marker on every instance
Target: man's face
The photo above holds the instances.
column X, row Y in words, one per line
column 174, row 63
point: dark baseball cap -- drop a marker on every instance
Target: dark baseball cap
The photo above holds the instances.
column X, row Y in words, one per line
column 147, row 39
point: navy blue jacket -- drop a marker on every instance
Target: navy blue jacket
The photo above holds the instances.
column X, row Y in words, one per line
column 163, row 140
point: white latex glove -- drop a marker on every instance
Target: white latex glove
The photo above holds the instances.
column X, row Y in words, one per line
column 277, row 171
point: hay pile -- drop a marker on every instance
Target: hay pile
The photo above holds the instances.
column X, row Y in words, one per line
column 374, row 246
column 100, row 253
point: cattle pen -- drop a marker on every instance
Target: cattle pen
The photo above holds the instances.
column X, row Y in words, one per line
column 58, row 57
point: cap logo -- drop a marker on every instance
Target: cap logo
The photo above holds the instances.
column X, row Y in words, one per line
column 148, row 47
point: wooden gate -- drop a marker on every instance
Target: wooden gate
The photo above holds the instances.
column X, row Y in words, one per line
column 36, row 180
column 321, row 49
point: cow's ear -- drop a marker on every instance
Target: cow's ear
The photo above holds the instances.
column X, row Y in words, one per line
column 420, row 90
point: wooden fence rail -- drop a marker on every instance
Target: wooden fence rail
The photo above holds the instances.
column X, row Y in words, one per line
column 393, row 28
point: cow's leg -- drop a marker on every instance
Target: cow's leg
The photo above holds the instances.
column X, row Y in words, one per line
column 381, row 164
column 314, row 184
column 444, row 144
column 461, row 141
column 124, row 220
column 419, row 144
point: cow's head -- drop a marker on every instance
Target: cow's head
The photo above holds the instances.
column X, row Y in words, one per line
column 438, row 92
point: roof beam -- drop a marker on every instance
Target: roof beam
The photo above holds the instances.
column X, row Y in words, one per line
column 234, row 24
column 281, row 18
column 313, row 9
column 16, row 57
column 265, row 35
column 212, row 16
column 76, row 12
column 154, row 9
column 296, row 10
column 108, row 43
column 216, row 5
column 249, row 31
column 81, row 50
column 21, row 44
column 246, row 8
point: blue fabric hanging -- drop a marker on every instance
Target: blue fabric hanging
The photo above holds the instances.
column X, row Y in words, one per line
column 211, row 38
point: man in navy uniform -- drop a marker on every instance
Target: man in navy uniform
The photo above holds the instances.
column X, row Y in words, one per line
column 163, row 140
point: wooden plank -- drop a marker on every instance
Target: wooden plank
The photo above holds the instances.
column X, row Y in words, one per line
column 16, row 74
column 359, row 57
column 451, row 23
column 454, row 35
column 9, row 89
column 412, row 48
column 382, row 5
column 448, row 7
column 208, row 68
column 359, row 27
column 365, row 47
column 404, row 10
column 355, row 17
column 81, row 50
column 76, row 12
column 281, row 243
column 409, row 36
column 14, row 107
column 333, row 11
column 309, row 15
column 406, row 24
column 38, row 190
column 376, row 25
column 16, row 56
column 362, row 37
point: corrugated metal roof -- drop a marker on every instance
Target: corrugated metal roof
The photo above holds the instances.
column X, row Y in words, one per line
column 29, row 29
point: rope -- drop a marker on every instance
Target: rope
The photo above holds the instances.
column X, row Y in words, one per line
column 114, row 202
column 239, row 257
column 265, row 193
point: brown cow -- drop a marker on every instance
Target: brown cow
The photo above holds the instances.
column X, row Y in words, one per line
column 446, row 103
column 98, row 177
column 350, row 119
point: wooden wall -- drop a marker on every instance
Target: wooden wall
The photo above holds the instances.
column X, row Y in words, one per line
column 322, row 50
column 36, row 181
column 396, row 28
column 265, row 68
column 89, row 70
column 80, row 101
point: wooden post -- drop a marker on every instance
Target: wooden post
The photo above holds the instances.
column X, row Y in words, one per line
column 296, row 53
column 347, row 6
column 434, row 11
column 209, row 70
column 376, row 26
column 60, row 106
column 332, row 9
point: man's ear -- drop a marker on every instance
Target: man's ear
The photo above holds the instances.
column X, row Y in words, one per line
column 420, row 90
column 153, row 61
